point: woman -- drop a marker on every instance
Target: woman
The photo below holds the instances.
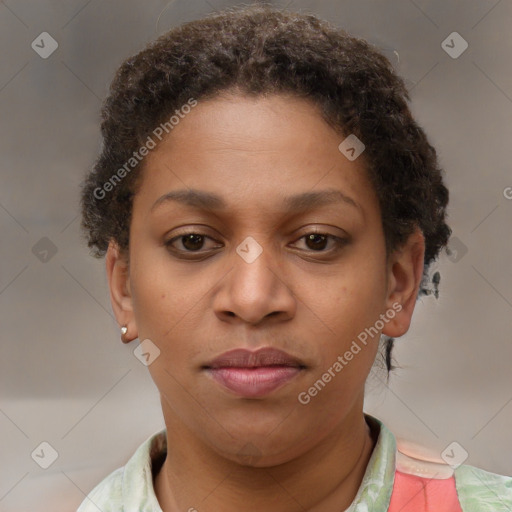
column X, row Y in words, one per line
column 269, row 210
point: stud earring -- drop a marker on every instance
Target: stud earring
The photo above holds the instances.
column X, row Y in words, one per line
column 124, row 329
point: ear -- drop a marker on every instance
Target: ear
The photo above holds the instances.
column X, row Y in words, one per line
column 120, row 294
column 405, row 272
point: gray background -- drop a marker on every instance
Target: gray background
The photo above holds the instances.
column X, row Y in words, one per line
column 65, row 377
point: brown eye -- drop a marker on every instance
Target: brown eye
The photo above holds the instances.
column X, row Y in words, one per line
column 192, row 241
column 187, row 242
column 316, row 241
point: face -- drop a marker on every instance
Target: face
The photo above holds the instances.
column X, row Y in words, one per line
column 259, row 265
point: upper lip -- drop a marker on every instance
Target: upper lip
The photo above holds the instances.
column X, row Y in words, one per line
column 243, row 358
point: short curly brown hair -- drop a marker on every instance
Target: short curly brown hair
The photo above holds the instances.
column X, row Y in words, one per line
column 259, row 50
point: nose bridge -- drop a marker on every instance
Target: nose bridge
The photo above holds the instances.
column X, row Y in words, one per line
column 254, row 288
column 254, row 271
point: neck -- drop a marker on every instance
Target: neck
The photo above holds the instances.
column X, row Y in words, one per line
column 324, row 479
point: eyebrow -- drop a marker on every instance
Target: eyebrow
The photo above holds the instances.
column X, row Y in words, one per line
column 296, row 203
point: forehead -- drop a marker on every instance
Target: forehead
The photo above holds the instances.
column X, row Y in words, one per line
column 250, row 123
column 253, row 148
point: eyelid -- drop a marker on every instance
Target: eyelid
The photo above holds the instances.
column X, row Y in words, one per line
column 189, row 232
column 325, row 230
column 340, row 241
column 200, row 230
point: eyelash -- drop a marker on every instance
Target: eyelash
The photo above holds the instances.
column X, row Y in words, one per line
column 340, row 242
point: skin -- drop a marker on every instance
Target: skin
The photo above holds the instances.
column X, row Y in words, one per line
column 309, row 300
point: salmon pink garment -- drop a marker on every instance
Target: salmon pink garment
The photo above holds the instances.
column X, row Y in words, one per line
column 413, row 493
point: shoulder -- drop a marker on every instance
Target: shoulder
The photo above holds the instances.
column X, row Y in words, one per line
column 107, row 496
column 475, row 490
column 482, row 490
column 130, row 487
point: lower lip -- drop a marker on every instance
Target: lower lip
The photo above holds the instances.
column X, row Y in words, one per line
column 254, row 382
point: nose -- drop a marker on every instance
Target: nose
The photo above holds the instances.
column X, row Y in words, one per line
column 255, row 288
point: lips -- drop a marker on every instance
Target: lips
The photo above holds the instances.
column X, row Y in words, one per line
column 254, row 374
column 242, row 358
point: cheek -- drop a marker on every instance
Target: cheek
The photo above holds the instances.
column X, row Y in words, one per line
column 345, row 308
column 169, row 308
column 346, row 305
column 159, row 299
column 345, row 352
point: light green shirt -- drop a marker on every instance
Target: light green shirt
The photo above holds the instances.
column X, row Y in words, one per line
column 130, row 488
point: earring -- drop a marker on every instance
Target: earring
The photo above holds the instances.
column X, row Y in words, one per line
column 124, row 329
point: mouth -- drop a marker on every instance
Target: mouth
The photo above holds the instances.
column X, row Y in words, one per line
column 254, row 374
